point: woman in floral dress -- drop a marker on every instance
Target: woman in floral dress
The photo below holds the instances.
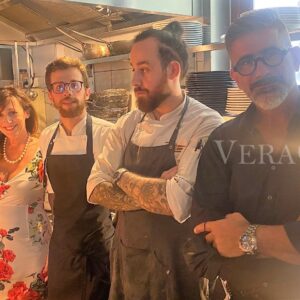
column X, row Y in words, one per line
column 24, row 226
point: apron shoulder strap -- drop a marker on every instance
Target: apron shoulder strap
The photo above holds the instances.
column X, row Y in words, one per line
column 175, row 133
column 89, row 134
column 49, row 150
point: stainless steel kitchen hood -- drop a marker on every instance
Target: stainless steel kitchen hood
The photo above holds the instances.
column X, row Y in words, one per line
column 39, row 19
column 180, row 7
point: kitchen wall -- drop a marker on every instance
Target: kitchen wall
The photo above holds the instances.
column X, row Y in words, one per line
column 118, row 74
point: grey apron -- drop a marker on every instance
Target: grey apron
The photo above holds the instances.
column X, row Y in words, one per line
column 146, row 258
column 79, row 246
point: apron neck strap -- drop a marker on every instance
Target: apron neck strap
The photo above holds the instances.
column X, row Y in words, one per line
column 175, row 133
column 89, row 134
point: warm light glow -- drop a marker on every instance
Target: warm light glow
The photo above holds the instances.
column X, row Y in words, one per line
column 275, row 3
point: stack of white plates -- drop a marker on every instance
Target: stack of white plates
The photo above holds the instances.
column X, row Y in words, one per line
column 206, row 34
column 193, row 33
column 290, row 16
column 210, row 88
column 237, row 101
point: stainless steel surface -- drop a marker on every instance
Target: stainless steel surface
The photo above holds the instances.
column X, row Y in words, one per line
column 180, row 7
column 91, row 51
column 38, row 18
column 89, row 37
column 17, row 70
column 68, row 45
column 28, row 65
column 69, row 35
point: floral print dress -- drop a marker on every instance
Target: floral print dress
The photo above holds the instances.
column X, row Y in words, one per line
column 24, row 234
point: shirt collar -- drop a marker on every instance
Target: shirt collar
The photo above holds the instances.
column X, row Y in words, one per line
column 170, row 114
column 247, row 118
column 79, row 128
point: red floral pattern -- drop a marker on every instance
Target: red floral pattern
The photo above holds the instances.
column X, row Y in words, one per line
column 36, row 168
column 32, row 286
column 20, row 291
column 8, row 255
column 41, row 171
column 3, row 188
column 3, row 233
column 6, row 270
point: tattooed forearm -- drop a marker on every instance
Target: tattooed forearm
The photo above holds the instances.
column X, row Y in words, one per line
column 149, row 193
column 112, row 197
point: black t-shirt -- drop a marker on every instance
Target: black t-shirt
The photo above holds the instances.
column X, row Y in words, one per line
column 238, row 172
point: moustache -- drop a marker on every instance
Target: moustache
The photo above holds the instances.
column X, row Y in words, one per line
column 265, row 81
column 72, row 99
column 139, row 89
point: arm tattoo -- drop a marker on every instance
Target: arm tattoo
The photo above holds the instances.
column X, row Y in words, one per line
column 112, row 197
column 149, row 193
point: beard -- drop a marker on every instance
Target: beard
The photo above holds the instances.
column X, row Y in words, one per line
column 74, row 111
column 151, row 100
column 269, row 92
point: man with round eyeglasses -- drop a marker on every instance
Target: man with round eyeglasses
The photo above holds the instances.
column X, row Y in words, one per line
column 82, row 232
column 271, row 57
column 246, row 204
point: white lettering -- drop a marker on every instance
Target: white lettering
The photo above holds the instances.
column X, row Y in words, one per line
column 223, row 155
column 286, row 153
column 245, row 154
column 266, row 153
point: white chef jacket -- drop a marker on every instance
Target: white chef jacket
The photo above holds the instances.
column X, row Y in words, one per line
column 197, row 124
column 76, row 142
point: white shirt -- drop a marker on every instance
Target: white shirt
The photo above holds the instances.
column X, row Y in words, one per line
column 76, row 142
column 197, row 124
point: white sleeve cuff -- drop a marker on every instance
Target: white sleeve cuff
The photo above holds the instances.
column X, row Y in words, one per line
column 179, row 197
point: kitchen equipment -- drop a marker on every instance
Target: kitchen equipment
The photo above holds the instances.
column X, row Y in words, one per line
column 109, row 104
column 99, row 48
column 121, row 47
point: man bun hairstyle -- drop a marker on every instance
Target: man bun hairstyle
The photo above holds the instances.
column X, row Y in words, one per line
column 175, row 29
column 256, row 20
column 171, row 46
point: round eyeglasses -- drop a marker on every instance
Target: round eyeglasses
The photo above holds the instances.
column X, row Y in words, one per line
column 60, row 87
column 271, row 57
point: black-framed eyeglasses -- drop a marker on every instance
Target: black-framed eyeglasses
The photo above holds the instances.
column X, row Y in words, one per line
column 271, row 57
column 60, row 87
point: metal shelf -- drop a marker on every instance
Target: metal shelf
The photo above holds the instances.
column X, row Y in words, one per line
column 107, row 59
column 200, row 48
column 208, row 47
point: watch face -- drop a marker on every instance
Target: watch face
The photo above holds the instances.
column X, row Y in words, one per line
column 248, row 243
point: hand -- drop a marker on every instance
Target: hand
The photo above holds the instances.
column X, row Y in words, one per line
column 169, row 173
column 225, row 234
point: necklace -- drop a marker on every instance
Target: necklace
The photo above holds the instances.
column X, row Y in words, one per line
column 20, row 157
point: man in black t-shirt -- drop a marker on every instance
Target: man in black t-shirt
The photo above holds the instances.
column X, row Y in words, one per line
column 246, row 204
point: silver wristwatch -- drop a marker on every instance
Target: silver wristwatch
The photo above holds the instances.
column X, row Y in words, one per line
column 248, row 241
column 117, row 175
